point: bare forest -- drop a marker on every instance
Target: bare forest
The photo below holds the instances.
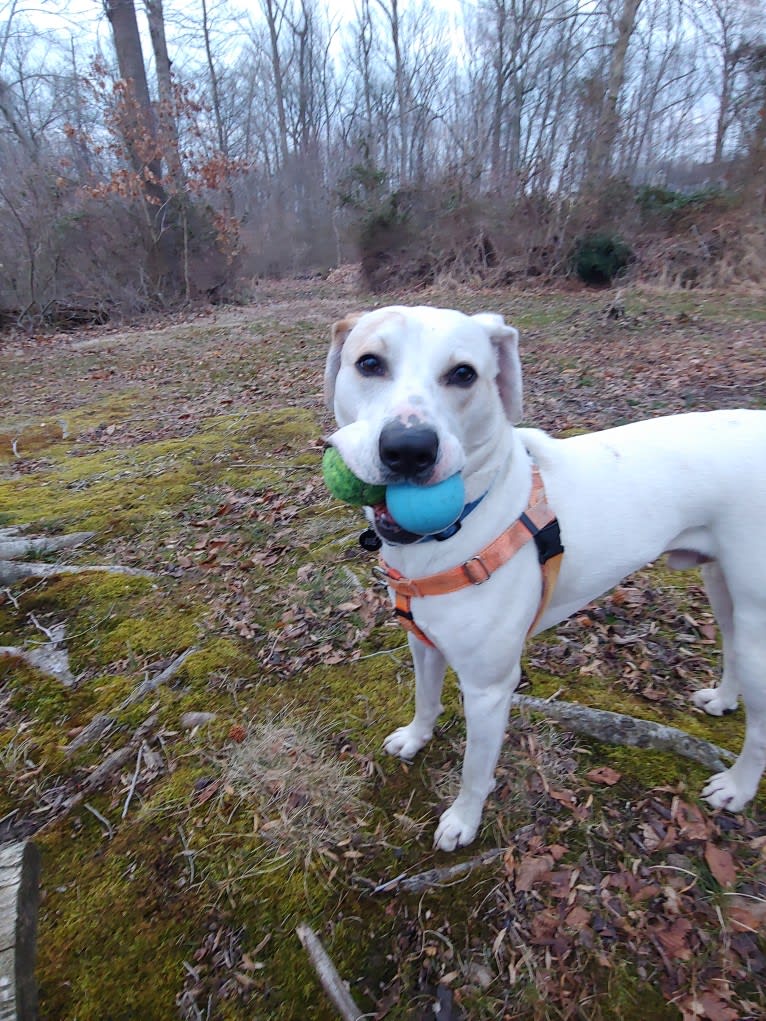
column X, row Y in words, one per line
column 154, row 154
column 198, row 667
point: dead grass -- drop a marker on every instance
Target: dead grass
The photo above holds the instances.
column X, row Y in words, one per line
column 292, row 775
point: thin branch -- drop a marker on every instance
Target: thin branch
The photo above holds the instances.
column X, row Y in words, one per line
column 439, row 877
column 327, row 974
column 101, row 722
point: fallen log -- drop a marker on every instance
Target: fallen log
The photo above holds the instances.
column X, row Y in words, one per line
column 13, row 548
column 616, row 728
column 19, row 897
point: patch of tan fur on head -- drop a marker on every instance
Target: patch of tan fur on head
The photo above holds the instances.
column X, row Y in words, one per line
column 340, row 332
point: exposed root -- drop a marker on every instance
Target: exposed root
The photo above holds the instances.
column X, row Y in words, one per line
column 103, row 772
column 12, row 571
column 12, row 548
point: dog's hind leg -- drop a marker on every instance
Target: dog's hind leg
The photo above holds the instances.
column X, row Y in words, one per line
column 734, row 787
column 430, row 667
column 723, row 698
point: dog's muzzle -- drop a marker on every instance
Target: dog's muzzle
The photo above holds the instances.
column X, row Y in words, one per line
column 408, row 451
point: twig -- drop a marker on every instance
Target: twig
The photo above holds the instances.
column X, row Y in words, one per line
column 101, row 722
column 327, row 974
column 616, row 728
column 55, row 635
column 101, row 818
column 134, row 781
column 438, row 877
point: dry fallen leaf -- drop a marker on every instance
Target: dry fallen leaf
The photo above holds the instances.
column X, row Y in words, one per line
column 605, row 775
column 721, row 863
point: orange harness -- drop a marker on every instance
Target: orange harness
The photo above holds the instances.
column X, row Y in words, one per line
column 537, row 522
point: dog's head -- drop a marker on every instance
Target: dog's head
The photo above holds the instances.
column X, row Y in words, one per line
column 421, row 393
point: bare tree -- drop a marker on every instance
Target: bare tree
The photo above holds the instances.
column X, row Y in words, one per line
column 725, row 30
column 599, row 161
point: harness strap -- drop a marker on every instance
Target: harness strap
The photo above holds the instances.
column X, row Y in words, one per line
column 537, row 522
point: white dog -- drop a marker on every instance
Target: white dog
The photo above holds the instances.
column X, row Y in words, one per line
column 420, row 394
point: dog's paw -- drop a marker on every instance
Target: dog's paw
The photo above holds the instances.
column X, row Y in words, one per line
column 714, row 702
column 723, row 791
column 456, row 828
column 407, row 741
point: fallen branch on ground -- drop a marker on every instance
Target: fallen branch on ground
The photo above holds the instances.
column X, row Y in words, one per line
column 327, row 974
column 50, row 658
column 13, row 545
column 616, row 728
column 437, row 877
column 114, row 761
column 101, row 722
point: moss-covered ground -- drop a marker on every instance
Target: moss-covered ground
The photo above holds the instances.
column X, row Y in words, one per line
column 174, row 888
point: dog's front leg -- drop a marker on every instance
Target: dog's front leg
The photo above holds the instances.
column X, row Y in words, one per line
column 486, row 716
column 430, row 667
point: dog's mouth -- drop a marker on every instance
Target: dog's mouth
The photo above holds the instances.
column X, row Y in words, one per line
column 389, row 530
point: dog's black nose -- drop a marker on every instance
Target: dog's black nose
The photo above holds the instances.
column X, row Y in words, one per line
column 408, row 450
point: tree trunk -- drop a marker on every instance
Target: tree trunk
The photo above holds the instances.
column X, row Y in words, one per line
column 272, row 10
column 130, row 60
column 498, row 99
column 222, row 145
column 167, row 116
column 608, row 128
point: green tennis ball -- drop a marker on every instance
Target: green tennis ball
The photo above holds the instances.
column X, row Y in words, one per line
column 345, row 486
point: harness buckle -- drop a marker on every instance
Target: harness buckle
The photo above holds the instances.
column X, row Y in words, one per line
column 476, row 571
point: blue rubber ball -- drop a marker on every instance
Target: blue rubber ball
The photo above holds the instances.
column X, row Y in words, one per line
column 426, row 509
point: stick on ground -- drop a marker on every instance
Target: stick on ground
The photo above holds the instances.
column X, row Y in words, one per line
column 616, row 728
column 327, row 974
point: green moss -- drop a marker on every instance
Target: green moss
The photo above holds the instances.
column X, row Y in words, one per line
column 221, row 656
column 148, row 636
column 38, row 696
column 116, row 489
column 32, row 440
column 99, row 592
column 120, row 914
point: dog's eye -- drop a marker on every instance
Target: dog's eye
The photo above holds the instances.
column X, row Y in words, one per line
column 371, row 365
column 462, row 375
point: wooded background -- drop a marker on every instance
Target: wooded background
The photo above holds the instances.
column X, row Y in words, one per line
column 153, row 154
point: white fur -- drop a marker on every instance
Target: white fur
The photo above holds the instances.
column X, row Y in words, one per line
column 690, row 485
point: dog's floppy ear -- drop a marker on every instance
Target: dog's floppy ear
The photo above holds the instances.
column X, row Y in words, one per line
column 506, row 341
column 340, row 331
